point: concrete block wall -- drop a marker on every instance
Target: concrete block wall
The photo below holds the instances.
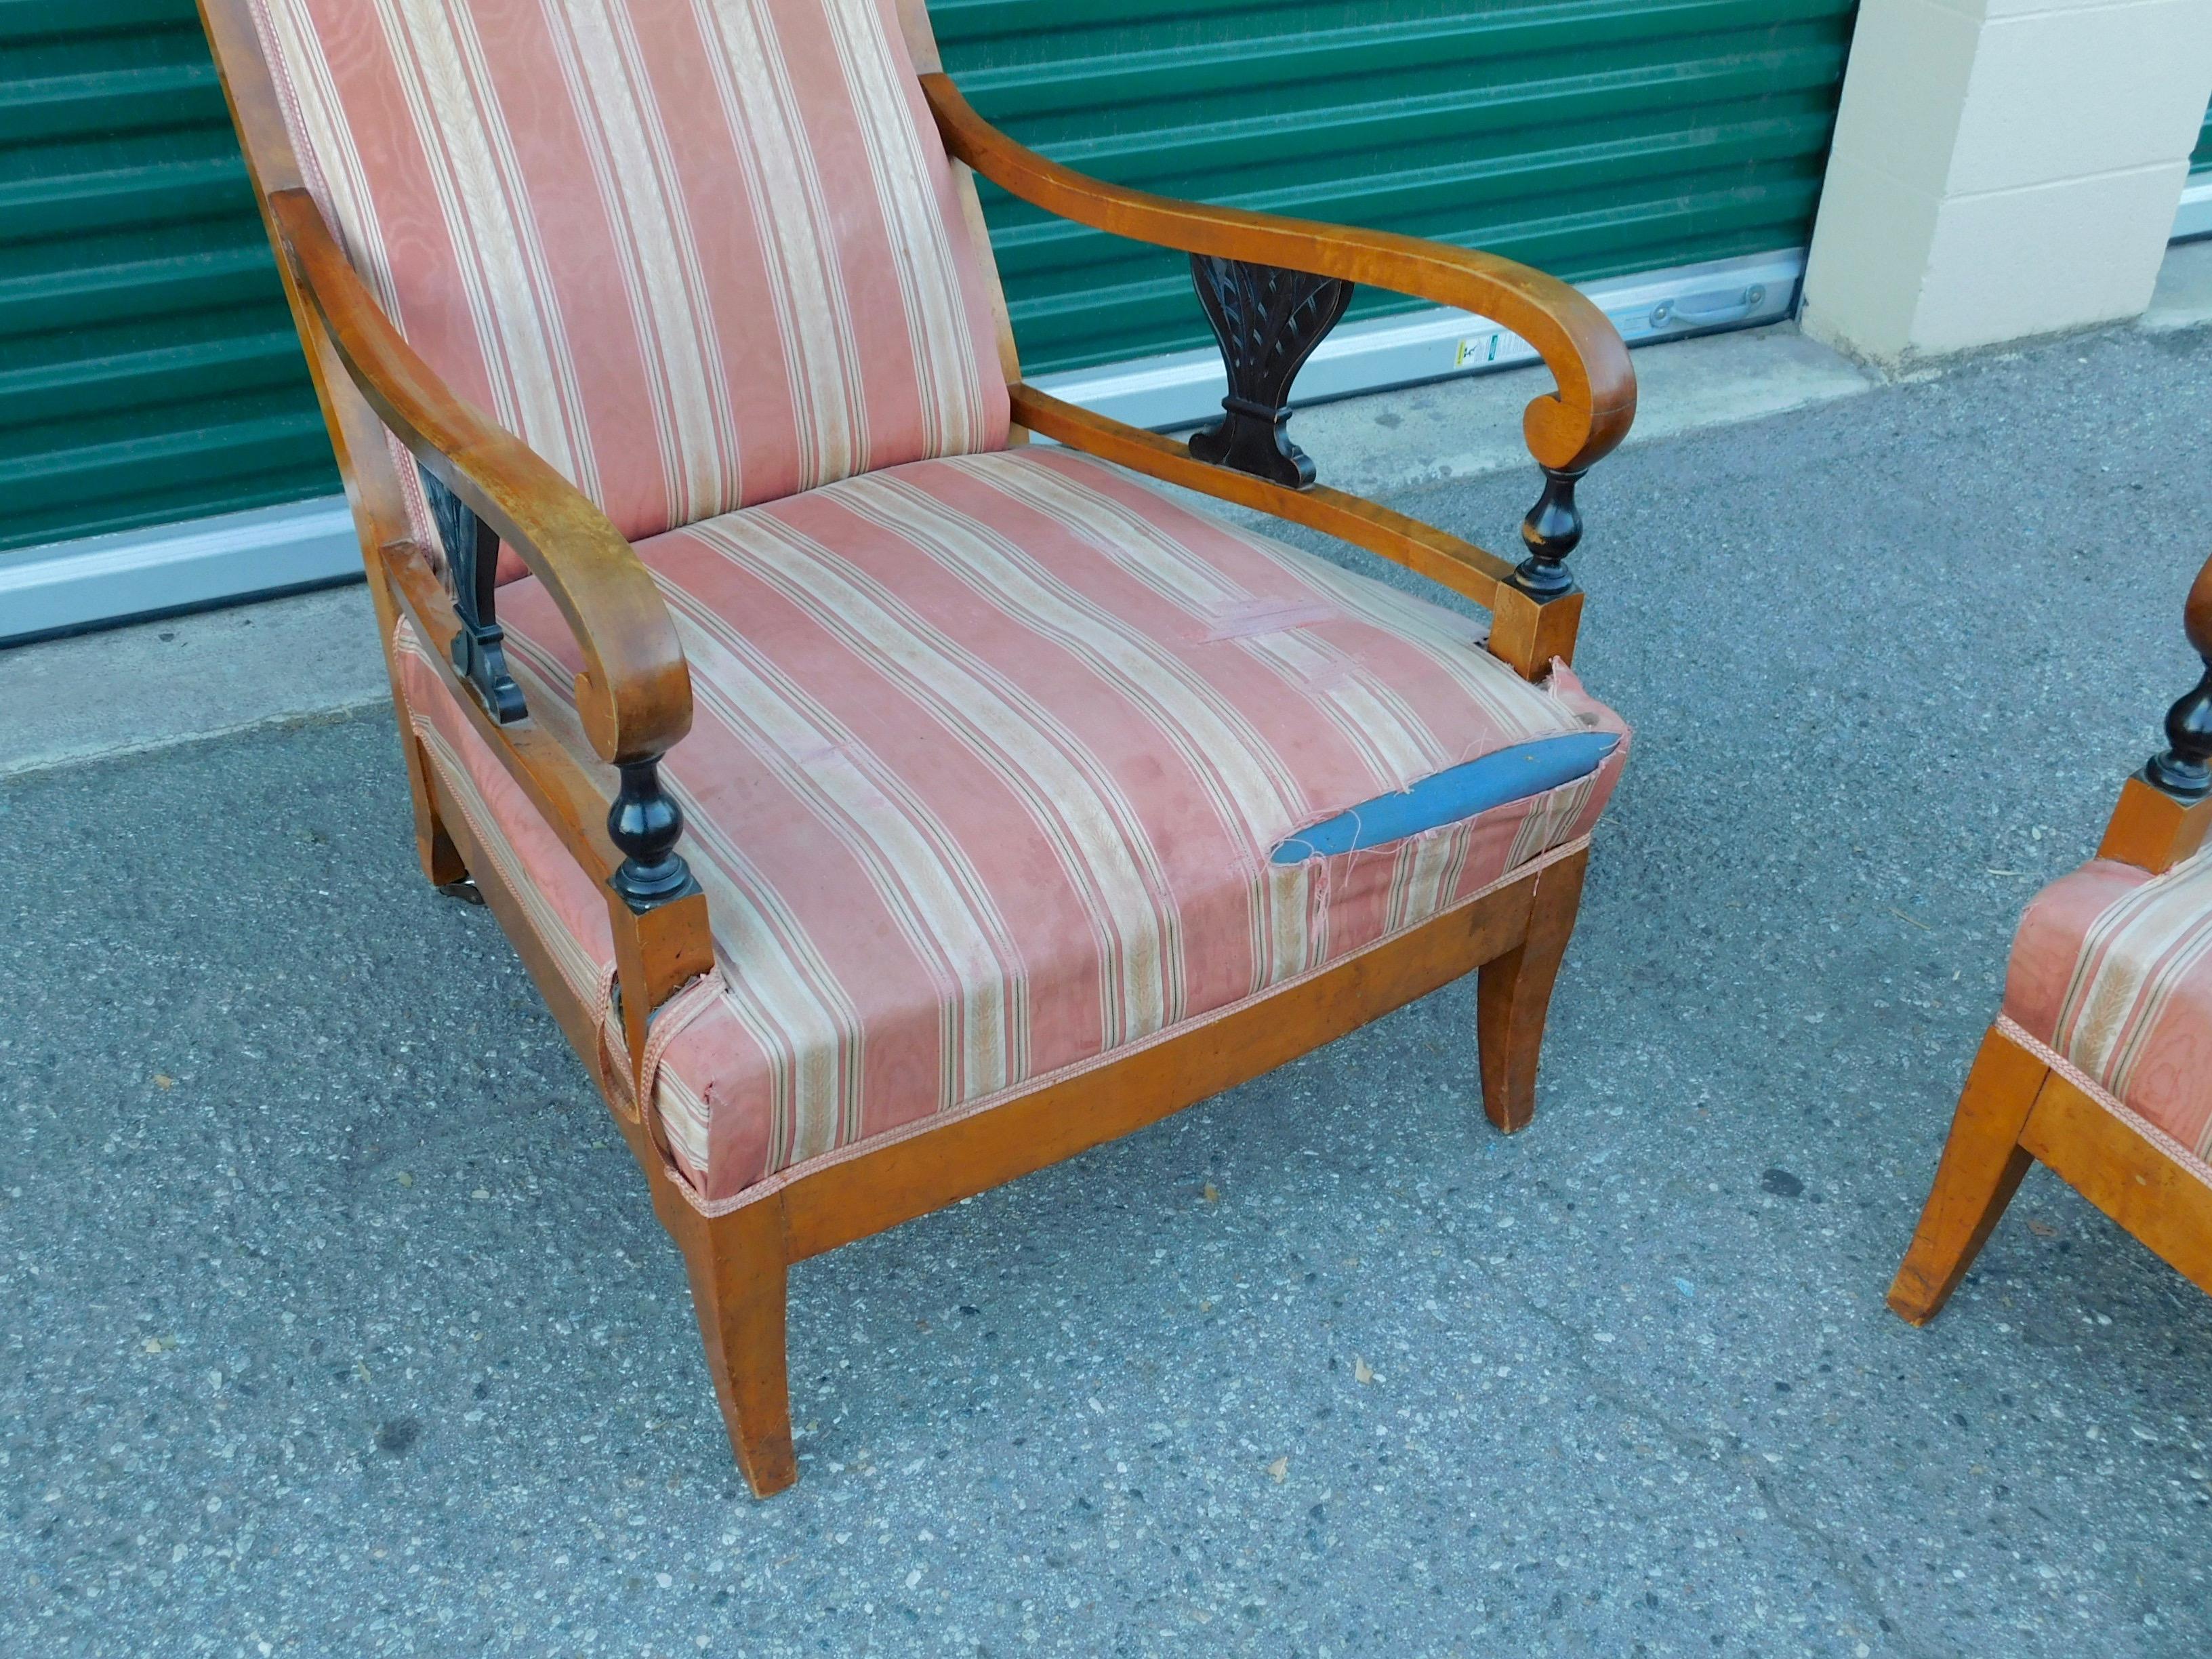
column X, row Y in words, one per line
column 2001, row 169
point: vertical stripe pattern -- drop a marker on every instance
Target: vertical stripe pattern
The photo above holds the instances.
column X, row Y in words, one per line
column 2112, row 968
column 989, row 758
column 699, row 254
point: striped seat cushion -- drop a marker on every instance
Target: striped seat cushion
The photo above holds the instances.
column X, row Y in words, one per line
column 2112, row 971
column 989, row 758
column 695, row 253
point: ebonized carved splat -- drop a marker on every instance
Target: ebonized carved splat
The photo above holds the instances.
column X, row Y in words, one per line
column 472, row 548
column 1269, row 321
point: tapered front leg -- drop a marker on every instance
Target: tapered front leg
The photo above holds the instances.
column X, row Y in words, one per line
column 1514, row 994
column 738, row 1289
column 1983, row 1165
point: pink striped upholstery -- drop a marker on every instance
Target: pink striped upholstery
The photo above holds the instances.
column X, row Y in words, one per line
column 988, row 757
column 2113, row 969
column 696, row 254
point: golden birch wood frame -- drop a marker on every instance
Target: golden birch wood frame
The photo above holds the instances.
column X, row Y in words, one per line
column 635, row 698
column 2018, row 1108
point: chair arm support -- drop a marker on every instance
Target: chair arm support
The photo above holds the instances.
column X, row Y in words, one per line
column 1467, row 569
column 634, row 694
column 2184, row 768
column 1526, row 632
column 2165, row 811
column 1567, row 430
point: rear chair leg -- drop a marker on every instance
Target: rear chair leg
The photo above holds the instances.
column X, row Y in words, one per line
column 739, row 1290
column 1514, row 994
column 1983, row 1164
column 442, row 859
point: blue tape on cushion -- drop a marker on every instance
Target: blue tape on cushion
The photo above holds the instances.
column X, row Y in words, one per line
column 1456, row 793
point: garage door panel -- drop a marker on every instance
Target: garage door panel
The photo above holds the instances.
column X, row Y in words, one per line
column 148, row 372
column 142, row 380
column 1595, row 139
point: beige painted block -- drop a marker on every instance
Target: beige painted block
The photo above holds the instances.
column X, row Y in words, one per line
column 2003, row 168
column 2071, row 94
column 1869, row 261
column 1911, row 65
column 2008, row 265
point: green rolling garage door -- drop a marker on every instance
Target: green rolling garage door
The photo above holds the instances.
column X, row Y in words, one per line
column 148, row 372
column 2193, row 218
column 1592, row 137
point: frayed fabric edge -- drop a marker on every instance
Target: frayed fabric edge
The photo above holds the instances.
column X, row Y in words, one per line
column 667, row 1024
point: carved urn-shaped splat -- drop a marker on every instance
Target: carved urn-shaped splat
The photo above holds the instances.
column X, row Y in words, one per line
column 1268, row 321
column 472, row 548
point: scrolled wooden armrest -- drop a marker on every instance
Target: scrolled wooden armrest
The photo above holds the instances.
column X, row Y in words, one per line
column 635, row 693
column 1567, row 430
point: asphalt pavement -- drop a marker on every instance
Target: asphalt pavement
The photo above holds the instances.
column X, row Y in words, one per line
column 334, row 1321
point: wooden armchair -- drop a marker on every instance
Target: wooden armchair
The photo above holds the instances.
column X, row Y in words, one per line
column 887, row 805
column 2101, row 1063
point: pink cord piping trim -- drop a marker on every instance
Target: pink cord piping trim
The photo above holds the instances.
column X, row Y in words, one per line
column 2104, row 1098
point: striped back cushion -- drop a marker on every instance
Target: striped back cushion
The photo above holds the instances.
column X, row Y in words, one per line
column 696, row 254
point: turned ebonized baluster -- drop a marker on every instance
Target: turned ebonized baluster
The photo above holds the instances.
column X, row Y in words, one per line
column 645, row 824
column 472, row 563
column 1267, row 321
column 2185, row 768
column 1553, row 529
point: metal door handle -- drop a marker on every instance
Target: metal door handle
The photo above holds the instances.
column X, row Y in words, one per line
column 1668, row 314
